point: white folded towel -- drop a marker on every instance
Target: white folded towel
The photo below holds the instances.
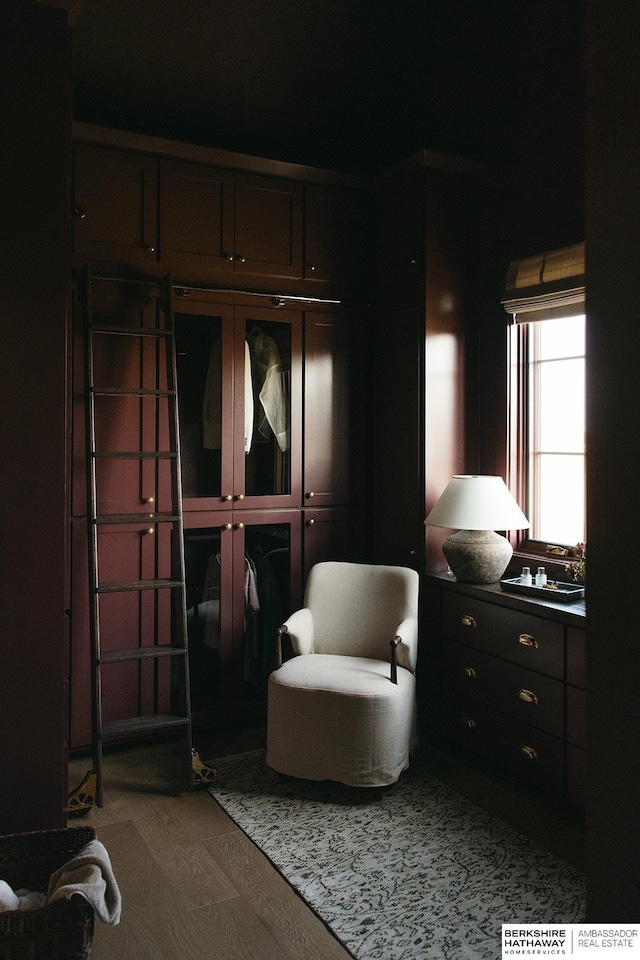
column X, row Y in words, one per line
column 90, row 875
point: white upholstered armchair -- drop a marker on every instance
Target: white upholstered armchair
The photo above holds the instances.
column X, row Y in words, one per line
column 340, row 709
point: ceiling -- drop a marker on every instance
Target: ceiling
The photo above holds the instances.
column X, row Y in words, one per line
column 348, row 84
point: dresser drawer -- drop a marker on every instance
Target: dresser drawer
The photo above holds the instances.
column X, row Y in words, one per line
column 533, row 642
column 523, row 694
column 530, row 754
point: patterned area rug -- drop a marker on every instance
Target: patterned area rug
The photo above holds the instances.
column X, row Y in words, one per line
column 410, row 871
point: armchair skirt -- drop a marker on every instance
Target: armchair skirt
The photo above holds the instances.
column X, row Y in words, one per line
column 351, row 724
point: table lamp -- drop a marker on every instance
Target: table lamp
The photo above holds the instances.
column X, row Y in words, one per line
column 477, row 507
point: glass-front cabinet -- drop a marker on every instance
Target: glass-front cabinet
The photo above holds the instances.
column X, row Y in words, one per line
column 239, row 379
column 239, row 388
column 242, row 571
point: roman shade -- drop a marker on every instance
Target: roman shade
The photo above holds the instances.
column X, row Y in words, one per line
column 547, row 285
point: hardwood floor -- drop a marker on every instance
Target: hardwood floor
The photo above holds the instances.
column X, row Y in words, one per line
column 195, row 887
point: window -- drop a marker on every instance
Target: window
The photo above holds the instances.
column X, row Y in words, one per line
column 545, row 297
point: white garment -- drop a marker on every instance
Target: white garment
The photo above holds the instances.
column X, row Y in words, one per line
column 273, row 397
column 212, row 400
column 19, row 899
column 248, row 399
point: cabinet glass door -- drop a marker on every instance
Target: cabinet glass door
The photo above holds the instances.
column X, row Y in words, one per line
column 266, row 436
column 204, row 372
column 242, row 578
column 239, row 400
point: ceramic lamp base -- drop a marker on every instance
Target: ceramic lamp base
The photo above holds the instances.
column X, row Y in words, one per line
column 477, row 556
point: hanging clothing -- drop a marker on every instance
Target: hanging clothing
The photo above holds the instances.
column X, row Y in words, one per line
column 267, row 367
column 212, row 400
column 248, row 399
column 209, row 609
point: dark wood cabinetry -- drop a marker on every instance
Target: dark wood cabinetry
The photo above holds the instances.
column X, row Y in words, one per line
column 215, row 219
column 510, row 682
column 268, row 393
column 205, row 221
column 422, row 270
column 115, row 206
column 336, row 234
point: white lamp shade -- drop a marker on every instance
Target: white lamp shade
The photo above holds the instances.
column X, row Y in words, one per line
column 477, row 503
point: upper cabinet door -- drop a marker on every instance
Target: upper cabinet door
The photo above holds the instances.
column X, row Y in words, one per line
column 217, row 221
column 115, row 200
column 268, row 226
column 335, row 234
column 196, row 217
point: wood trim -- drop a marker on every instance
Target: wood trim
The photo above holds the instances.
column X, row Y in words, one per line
column 176, row 150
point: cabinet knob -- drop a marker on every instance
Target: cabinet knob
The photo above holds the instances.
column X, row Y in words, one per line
column 240, row 496
column 470, row 673
column 468, row 621
column 310, row 522
column 78, row 212
column 149, row 247
column 239, row 526
column 310, row 495
column 148, row 500
column 311, row 267
column 528, row 641
column 228, row 498
column 528, row 752
column 229, row 257
column 528, row 696
column 149, row 532
column 469, row 723
column 227, row 526
column 240, row 259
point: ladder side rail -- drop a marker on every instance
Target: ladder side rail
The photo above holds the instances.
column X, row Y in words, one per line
column 177, row 540
column 92, row 535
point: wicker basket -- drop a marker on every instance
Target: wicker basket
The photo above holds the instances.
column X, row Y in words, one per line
column 59, row 931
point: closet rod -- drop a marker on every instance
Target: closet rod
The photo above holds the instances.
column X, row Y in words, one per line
column 255, row 293
column 146, row 281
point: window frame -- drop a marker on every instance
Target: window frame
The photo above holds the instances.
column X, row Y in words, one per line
column 538, row 288
column 518, row 422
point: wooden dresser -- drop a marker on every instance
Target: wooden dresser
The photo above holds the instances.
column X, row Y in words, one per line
column 503, row 677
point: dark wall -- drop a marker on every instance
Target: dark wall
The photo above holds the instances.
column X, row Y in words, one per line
column 613, row 412
column 33, row 421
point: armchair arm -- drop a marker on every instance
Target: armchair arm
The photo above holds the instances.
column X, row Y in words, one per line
column 404, row 646
column 299, row 629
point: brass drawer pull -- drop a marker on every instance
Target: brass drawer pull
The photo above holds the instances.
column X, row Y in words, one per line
column 528, row 752
column 470, row 673
column 468, row 621
column 528, row 641
column 528, row 696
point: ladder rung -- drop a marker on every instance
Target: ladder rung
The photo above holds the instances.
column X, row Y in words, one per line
column 142, row 653
column 133, row 725
column 134, row 454
column 123, row 586
column 136, row 518
column 130, row 392
column 130, row 331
